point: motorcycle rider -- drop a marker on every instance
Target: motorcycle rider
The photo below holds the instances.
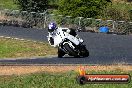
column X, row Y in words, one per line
column 72, row 48
column 53, row 29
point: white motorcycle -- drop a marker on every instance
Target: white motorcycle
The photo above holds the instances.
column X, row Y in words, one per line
column 69, row 44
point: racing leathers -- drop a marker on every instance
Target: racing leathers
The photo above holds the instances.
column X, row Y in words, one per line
column 53, row 34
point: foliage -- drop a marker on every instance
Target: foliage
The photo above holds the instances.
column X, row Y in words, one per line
column 33, row 5
column 118, row 11
column 81, row 8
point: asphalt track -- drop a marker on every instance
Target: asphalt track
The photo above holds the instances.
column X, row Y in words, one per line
column 104, row 48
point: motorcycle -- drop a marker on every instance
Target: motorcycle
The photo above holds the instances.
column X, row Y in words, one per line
column 69, row 44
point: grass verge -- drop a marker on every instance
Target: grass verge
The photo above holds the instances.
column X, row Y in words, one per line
column 11, row 48
column 56, row 80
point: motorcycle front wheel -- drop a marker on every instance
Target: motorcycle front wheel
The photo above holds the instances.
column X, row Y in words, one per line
column 60, row 53
column 70, row 51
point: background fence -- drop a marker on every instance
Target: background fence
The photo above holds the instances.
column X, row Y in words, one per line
column 41, row 20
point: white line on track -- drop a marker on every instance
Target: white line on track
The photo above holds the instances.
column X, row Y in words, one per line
column 1, row 36
column 7, row 37
column 17, row 38
column 21, row 39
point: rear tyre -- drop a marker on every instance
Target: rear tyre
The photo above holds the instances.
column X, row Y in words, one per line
column 70, row 51
column 60, row 53
column 86, row 53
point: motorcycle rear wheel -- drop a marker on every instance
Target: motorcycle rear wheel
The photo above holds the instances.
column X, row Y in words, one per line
column 84, row 52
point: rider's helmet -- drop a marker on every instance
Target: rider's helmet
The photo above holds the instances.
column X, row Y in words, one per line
column 52, row 26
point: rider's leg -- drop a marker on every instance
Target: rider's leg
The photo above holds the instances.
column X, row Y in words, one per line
column 72, row 32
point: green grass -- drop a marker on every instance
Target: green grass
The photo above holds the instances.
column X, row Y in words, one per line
column 10, row 48
column 55, row 80
column 8, row 4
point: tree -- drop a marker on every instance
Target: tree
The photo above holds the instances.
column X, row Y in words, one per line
column 82, row 8
column 33, row 5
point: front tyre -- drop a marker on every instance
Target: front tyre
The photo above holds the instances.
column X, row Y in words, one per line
column 60, row 53
column 70, row 51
